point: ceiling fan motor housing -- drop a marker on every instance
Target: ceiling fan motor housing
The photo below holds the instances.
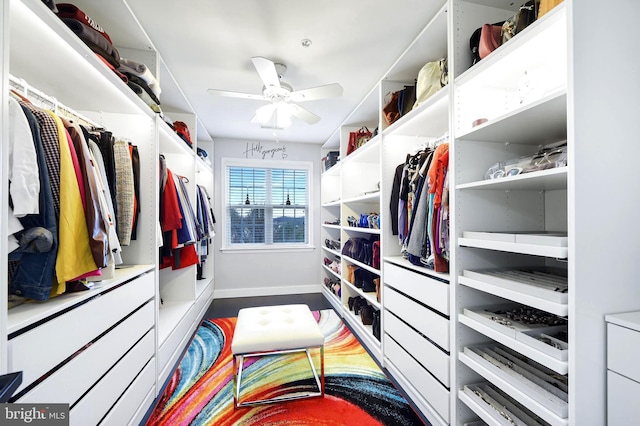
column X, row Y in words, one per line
column 277, row 93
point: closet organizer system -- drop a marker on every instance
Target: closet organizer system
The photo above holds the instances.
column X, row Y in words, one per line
column 108, row 351
column 494, row 340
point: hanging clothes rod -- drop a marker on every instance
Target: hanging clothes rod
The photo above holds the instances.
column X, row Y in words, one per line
column 437, row 141
column 45, row 101
column 431, row 143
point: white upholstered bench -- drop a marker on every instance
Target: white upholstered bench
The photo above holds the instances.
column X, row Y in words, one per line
column 276, row 330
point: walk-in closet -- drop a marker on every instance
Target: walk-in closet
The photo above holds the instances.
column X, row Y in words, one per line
column 478, row 239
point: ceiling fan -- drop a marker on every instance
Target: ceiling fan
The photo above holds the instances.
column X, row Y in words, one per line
column 281, row 96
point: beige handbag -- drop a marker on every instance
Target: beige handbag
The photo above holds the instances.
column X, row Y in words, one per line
column 432, row 77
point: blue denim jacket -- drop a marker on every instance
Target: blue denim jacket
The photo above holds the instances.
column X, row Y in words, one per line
column 35, row 273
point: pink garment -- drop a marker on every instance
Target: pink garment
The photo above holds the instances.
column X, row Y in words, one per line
column 96, row 273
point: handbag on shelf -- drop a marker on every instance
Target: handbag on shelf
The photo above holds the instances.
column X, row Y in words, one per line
column 375, row 326
column 351, row 270
column 432, row 77
column 369, row 283
column 407, row 100
column 490, row 39
column 375, row 258
column 358, row 138
column 525, row 16
column 391, row 110
column 366, row 314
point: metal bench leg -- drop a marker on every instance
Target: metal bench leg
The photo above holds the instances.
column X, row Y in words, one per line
column 237, row 376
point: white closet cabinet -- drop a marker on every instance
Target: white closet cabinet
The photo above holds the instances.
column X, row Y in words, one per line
column 521, row 119
column 107, row 352
column 351, row 188
column 542, row 87
column 416, row 316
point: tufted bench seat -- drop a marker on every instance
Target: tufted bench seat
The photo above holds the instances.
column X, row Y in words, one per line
column 276, row 330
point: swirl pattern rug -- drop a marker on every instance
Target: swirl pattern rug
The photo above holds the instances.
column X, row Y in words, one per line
column 357, row 392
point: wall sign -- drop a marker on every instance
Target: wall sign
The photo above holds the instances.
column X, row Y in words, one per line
column 256, row 149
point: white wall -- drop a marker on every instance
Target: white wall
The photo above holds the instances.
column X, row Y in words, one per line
column 239, row 274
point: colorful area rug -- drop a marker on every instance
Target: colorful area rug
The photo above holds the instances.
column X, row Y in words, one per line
column 357, row 392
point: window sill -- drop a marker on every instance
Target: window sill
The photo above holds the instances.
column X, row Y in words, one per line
column 269, row 249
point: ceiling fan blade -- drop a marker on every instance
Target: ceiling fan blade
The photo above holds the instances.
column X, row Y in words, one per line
column 321, row 92
column 240, row 95
column 267, row 71
column 304, row 115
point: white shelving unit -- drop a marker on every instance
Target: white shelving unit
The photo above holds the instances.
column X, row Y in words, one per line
column 534, row 90
column 121, row 339
column 490, row 214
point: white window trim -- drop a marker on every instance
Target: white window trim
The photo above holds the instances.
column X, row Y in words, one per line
column 279, row 164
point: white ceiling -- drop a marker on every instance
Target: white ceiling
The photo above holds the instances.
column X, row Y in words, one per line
column 209, row 44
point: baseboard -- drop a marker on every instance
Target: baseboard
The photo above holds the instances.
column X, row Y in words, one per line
column 266, row 291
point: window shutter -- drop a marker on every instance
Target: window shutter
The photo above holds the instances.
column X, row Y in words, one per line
column 267, row 205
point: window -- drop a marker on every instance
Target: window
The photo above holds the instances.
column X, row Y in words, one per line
column 267, row 204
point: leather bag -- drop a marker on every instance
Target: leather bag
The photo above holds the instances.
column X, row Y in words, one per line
column 391, row 110
column 358, row 138
column 490, row 39
column 366, row 314
column 351, row 273
column 376, row 255
column 375, row 326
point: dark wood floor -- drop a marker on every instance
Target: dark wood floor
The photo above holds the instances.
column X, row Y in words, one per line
column 224, row 308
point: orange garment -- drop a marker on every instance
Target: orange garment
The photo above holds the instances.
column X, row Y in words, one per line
column 437, row 172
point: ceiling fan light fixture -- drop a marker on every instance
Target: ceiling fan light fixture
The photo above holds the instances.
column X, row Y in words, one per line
column 275, row 115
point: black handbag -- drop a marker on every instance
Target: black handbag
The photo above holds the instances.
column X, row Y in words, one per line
column 366, row 314
column 358, row 304
column 525, row 16
column 375, row 326
column 368, row 284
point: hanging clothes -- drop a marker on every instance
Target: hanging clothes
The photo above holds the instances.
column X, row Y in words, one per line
column 24, row 179
column 124, row 191
column 32, row 271
column 94, row 214
column 74, row 253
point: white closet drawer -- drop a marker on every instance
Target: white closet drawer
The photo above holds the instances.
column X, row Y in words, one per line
column 99, row 400
column 45, row 346
column 203, row 300
column 89, row 365
column 427, row 354
column 623, row 347
column 622, row 400
column 431, row 292
column 427, row 322
column 136, row 420
column 126, row 408
column 175, row 343
column 432, row 391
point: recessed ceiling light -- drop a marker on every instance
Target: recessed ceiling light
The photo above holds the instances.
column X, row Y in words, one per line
column 306, row 42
